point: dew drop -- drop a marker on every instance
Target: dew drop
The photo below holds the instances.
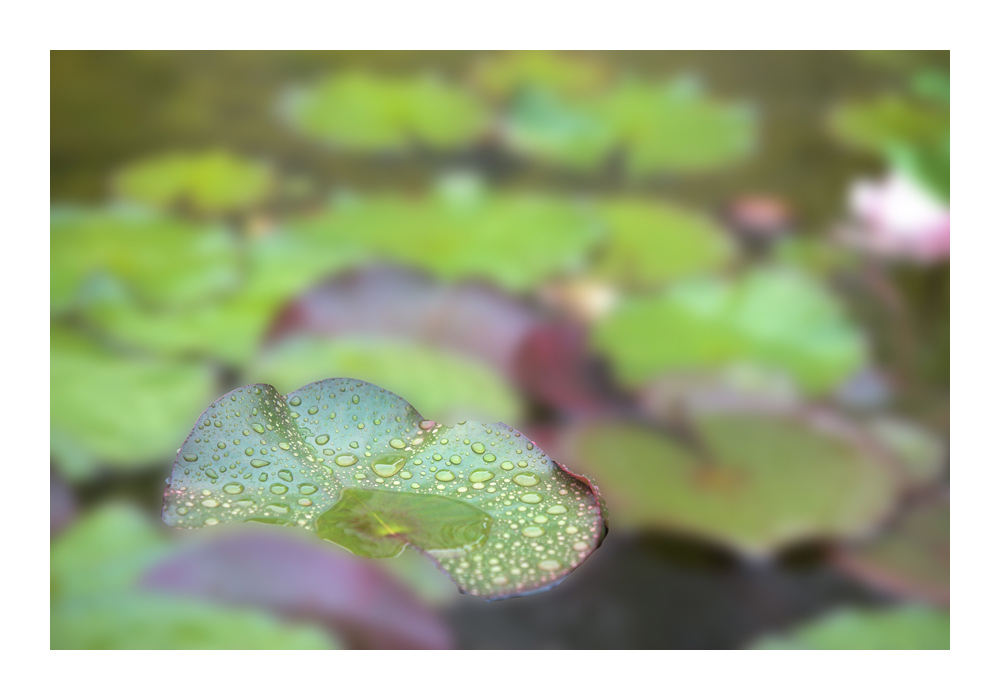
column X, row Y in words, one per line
column 478, row 448
column 556, row 510
column 307, row 489
column 210, row 503
column 506, row 466
column 345, row 460
column 397, row 443
column 526, row 479
column 258, row 463
column 549, row 565
column 190, row 457
column 455, row 459
column 295, row 401
column 210, row 473
column 322, row 439
column 481, row 476
column 279, row 489
column 233, row 488
column 532, row 498
column 284, row 474
column 387, row 465
column 532, row 531
column 258, row 427
column 445, row 475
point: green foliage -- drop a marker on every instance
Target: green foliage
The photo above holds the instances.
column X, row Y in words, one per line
column 355, row 110
column 449, row 386
column 651, row 243
column 160, row 261
column 558, row 72
column 910, row 627
column 913, row 135
column 117, row 411
column 758, row 484
column 459, row 233
column 669, row 127
column 210, row 182
column 96, row 602
column 315, row 457
column 777, row 318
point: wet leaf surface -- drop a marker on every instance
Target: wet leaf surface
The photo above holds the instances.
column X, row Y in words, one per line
column 909, row 627
column 303, row 580
column 292, row 460
column 752, row 483
column 777, row 319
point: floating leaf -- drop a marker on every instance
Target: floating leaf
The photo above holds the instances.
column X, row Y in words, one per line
column 561, row 72
column 230, row 327
column 674, row 127
column 661, row 128
column 280, row 572
column 474, row 320
column 909, row 627
column 515, row 241
column 758, row 484
column 651, row 243
column 449, row 386
column 115, row 410
column 775, row 318
column 360, row 467
column 96, row 603
column 913, row 558
column 162, row 261
column 212, row 182
column 354, row 110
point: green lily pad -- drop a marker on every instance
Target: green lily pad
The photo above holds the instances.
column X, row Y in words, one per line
column 670, row 127
column 909, row 627
column 212, row 182
column 651, row 243
column 361, row 468
column 159, row 260
column 355, row 110
column 96, row 602
column 761, row 482
column 449, row 386
column 460, row 233
column 778, row 319
column 116, row 411
column 912, row 558
column 229, row 327
column 561, row 72
column 675, row 127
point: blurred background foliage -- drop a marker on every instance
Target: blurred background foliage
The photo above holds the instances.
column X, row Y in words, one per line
column 716, row 282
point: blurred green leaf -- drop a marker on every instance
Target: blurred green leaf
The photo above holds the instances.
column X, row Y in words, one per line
column 560, row 72
column 651, row 243
column 361, row 468
column 355, row 110
column 908, row 627
column 209, row 182
column 758, row 484
column 229, row 327
column 448, row 386
column 912, row 135
column 913, row 557
column 515, row 241
column 674, row 127
column 96, row 604
column 776, row 318
column 159, row 260
column 117, row 411
column 668, row 127
column 920, row 453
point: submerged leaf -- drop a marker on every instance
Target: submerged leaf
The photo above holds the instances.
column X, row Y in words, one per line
column 359, row 466
column 777, row 319
column 758, row 483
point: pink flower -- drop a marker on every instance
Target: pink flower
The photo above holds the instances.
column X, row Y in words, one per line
column 899, row 219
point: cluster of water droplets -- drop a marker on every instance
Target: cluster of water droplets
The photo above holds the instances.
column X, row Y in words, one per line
column 256, row 455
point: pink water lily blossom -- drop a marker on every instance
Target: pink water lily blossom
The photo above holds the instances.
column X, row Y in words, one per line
column 898, row 218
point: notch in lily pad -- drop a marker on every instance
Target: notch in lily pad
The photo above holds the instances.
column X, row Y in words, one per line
column 361, row 468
